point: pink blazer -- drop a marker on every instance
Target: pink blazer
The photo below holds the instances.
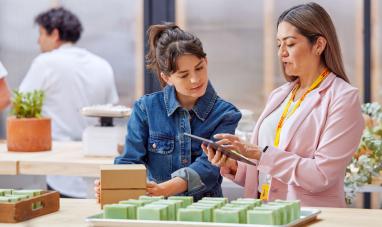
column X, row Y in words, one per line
column 316, row 144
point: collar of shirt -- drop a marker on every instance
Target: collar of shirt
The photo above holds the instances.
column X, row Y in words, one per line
column 66, row 45
column 202, row 107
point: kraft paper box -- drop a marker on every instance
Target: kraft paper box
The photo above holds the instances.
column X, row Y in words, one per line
column 114, row 195
column 123, row 176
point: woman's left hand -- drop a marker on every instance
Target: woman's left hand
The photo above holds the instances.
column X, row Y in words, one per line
column 233, row 142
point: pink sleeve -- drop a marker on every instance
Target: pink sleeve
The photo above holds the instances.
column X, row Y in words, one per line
column 338, row 141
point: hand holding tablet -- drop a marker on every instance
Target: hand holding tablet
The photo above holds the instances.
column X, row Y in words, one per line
column 229, row 153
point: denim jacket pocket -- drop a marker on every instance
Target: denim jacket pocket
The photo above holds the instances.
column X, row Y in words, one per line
column 161, row 144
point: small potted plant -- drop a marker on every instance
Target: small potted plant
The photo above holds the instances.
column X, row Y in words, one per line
column 366, row 164
column 27, row 130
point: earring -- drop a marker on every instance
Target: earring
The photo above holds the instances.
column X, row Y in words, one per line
column 318, row 52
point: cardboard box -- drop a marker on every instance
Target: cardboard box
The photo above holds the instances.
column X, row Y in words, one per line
column 114, row 195
column 123, row 176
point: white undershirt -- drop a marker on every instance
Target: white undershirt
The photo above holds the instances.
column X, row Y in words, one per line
column 267, row 131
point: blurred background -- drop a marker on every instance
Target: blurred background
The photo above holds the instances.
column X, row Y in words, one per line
column 238, row 37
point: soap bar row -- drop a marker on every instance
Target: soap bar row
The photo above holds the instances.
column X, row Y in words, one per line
column 208, row 209
column 12, row 196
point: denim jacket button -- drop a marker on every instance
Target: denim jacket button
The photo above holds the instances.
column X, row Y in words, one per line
column 154, row 146
column 184, row 161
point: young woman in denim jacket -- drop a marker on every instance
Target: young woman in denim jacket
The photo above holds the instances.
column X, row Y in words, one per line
column 187, row 104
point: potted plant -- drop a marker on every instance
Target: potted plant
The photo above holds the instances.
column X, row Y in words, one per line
column 27, row 130
column 366, row 164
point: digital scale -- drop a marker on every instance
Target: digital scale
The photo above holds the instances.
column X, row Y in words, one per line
column 104, row 138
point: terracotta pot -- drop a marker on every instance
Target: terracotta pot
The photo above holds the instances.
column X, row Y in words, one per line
column 29, row 134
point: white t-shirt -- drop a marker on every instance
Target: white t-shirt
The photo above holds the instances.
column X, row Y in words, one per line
column 71, row 78
column 267, row 132
column 3, row 71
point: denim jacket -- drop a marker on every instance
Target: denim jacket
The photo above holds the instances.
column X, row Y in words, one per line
column 155, row 138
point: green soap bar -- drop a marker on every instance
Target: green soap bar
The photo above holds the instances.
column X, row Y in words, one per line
column 151, row 198
column 261, row 217
column 4, row 199
column 29, row 192
column 187, row 200
column 226, row 216
column 218, row 203
column 4, row 192
column 286, row 212
column 289, row 209
column 248, row 206
column 20, row 197
column 211, row 205
column 296, row 208
column 279, row 212
column 171, row 209
column 14, row 198
column 136, row 202
column 242, row 213
column 37, row 205
column 221, row 199
column 257, row 202
column 119, row 211
column 190, row 214
column 207, row 211
column 177, row 203
column 152, row 212
column 251, row 204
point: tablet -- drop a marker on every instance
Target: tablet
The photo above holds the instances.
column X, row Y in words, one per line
column 229, row 153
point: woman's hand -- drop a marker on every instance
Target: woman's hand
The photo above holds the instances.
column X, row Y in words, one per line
column 168, row 188
column 227, row 165
column 97, row 189
column 234, row 143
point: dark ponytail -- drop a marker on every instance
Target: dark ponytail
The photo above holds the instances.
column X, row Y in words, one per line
column 166, row 43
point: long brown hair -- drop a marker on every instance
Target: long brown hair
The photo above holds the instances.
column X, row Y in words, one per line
column 312, row 21
column 166, row 43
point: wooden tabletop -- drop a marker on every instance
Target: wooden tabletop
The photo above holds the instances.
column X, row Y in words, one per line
column 65, row 159
column 74, row 211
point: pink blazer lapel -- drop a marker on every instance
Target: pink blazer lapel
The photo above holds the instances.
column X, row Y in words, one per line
column 276, row 99
column 302, row 112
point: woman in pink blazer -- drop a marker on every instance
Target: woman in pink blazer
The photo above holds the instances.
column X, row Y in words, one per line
column 310, row 127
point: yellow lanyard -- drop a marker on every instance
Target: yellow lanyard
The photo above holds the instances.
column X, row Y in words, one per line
column 285, row 114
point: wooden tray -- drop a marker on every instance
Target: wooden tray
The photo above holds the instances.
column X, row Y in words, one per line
column 307, row 215
column 23, row 210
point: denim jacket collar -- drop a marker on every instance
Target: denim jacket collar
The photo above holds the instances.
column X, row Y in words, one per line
column 202, row 107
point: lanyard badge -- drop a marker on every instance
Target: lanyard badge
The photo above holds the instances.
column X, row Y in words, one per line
column 266, row 186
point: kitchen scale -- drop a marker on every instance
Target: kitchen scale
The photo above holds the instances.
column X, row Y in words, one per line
column 104, row 138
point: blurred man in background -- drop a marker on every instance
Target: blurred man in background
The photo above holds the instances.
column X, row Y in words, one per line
column 71, row 78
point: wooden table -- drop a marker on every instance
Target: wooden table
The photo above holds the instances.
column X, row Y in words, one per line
column 74, row 211
column 65, row 159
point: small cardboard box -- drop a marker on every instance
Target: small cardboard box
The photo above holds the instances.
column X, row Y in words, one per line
column 114, row 195
column 24, row 210
column 123, row 176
